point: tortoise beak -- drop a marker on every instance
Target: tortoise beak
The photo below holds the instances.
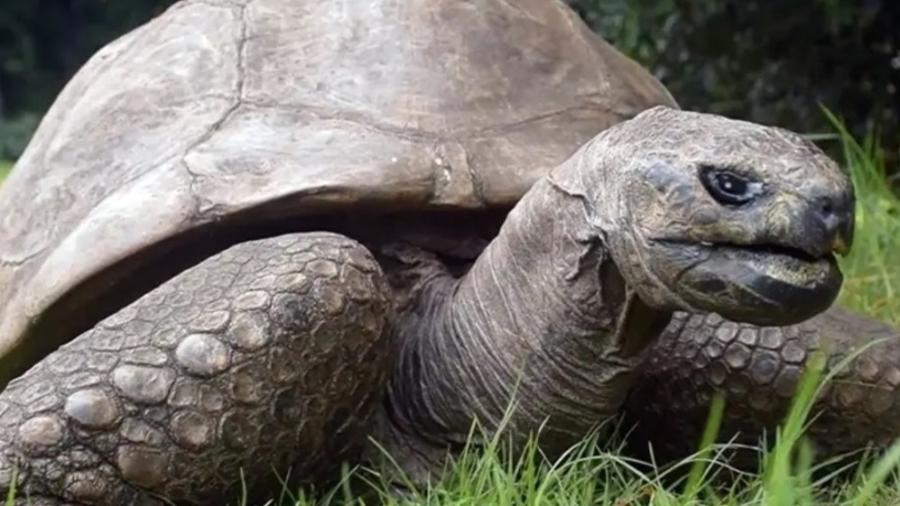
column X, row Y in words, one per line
column 840, row 245
column 841, row 230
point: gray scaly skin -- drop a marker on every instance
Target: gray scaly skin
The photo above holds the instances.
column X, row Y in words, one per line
column 757, row 370
column 270, row 356
column 266, row 356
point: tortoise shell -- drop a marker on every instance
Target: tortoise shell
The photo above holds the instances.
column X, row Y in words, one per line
column 232, row 112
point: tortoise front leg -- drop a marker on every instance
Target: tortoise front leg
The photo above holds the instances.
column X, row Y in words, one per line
column 266, row 358
column 757, row 369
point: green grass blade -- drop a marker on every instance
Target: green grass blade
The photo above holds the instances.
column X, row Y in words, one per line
column 877, row 475
column 11, row 495
column 710, row 432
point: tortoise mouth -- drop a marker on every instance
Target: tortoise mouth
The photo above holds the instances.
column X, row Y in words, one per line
column 777, row 251
column 771, row 284
column 787, row 264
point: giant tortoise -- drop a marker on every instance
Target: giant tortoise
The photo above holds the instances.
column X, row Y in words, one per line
column 252, row 234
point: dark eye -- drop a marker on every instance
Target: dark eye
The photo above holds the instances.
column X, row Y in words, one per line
column 728, row 187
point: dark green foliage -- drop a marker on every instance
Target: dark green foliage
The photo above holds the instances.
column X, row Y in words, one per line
column 773, row 62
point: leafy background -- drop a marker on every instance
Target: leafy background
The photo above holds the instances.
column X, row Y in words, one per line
column 770, row 62
column 766, row 61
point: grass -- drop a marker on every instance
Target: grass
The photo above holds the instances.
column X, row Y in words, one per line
column 872, row 273
column 788, row 474
column 5, row 167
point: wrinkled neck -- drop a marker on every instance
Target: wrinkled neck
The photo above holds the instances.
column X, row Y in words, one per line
column 540, row 335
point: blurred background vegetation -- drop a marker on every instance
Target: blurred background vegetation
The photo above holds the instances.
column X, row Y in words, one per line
column 762, row 60
column 773, row 62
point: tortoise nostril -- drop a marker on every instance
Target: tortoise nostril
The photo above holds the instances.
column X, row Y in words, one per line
column 829, row 213
column 835, row 216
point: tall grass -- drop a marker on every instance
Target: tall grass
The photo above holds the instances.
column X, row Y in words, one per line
column 872, row 270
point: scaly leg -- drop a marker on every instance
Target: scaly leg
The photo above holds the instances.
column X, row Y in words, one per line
column 757, row 369
column 266, row 358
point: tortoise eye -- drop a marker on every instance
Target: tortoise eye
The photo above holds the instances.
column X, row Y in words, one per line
column 729, row 188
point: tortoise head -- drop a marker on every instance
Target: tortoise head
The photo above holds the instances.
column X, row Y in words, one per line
column 705, row 213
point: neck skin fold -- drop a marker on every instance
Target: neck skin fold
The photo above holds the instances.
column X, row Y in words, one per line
column 540, row 336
